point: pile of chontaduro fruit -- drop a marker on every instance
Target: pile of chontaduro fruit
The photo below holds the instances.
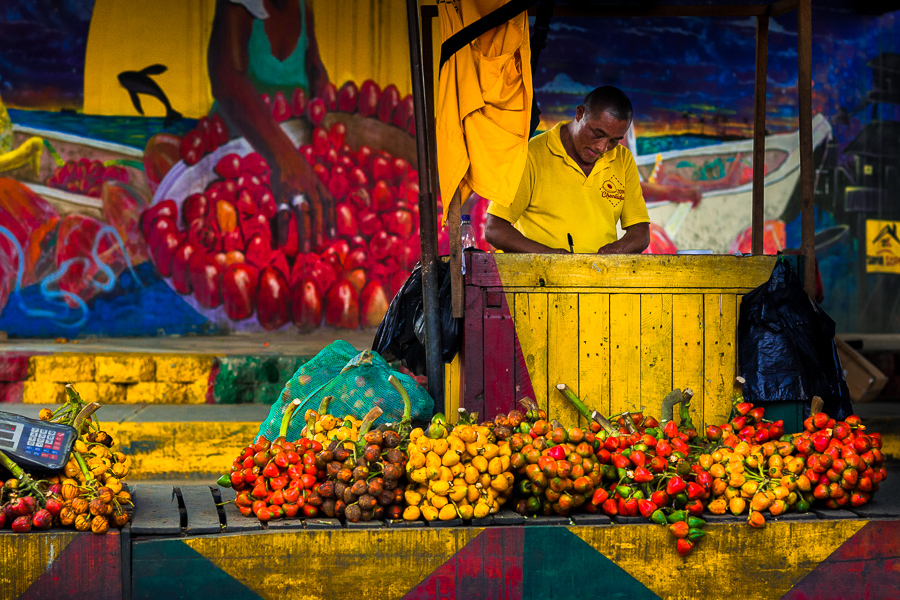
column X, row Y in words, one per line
column 364, row 486
column 88, row 496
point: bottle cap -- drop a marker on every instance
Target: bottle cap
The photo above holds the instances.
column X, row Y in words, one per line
column 465, row 218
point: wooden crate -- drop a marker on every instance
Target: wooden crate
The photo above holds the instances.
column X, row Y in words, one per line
column 620, row 330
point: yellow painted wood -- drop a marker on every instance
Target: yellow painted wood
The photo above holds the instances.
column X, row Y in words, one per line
column 656, row 350
column 625, row 352
column 562, row 356
column 732, row 561
column 687, row 345
column 530, row 316
column 177, row 449
column 380, row 565
column 25, row 557
column 593, row 351
column 630, row 271
column 670, row 321
column 452, row 389
column 719, row 358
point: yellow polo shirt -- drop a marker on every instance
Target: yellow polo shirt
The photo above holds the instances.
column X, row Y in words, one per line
column 555, row 197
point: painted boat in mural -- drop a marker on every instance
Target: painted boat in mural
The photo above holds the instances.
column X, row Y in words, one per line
column 72, row 148
column 724, row 174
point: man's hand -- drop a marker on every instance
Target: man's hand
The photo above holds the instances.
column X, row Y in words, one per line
column 500, row 234
column 635, row 241
column 291, row 175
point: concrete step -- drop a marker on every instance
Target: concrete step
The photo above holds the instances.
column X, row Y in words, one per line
column 192, row 370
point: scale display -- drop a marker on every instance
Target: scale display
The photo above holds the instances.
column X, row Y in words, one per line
column 34, row 443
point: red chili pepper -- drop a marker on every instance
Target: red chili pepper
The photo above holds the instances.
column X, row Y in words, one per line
column 646, row 508
column 675, row 486
column 643, row 475
column 610, row 508
column 557, row 453
column 631, row 507
column 638, row 458
column 757, row 414
column 695, row 507
column 660, row 498
column 680, row 445
column 600, row 496
column 620, row 462
column 742, row 408
column 761, row 436
column 671, row 429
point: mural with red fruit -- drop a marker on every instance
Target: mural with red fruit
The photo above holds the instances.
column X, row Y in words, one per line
column 215, row 174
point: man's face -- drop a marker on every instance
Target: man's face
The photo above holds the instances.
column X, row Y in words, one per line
column 595, row 134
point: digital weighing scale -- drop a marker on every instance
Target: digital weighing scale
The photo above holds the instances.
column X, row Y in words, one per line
column 34, row 443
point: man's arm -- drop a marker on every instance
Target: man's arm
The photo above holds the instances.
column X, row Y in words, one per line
column 635, row 241
column 500, row 234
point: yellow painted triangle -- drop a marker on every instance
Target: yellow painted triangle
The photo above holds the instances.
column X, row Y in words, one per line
column 732, row 561
column 24, row 558
column 377, row 564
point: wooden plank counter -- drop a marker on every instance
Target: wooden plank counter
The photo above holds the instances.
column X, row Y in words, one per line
column 620, row 330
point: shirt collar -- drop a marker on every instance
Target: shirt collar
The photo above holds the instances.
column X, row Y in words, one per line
column 556, row 147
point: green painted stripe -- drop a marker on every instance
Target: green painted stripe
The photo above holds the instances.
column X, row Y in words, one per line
column 172, row 569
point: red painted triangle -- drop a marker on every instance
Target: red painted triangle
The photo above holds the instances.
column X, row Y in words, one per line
column 865, row 566
column 89, row 567
column 489, row 567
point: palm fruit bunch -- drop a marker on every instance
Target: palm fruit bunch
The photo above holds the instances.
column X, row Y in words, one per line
column 364, row 480
column 275, row 480
column 456, row 472
column 89, row 495
column 325, row 428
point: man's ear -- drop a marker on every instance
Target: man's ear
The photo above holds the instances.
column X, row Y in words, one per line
column 579, row 112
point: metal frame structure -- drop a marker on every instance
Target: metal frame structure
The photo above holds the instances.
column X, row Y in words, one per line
column 422, row 70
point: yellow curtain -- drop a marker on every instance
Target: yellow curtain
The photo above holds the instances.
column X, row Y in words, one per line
column 358, row 40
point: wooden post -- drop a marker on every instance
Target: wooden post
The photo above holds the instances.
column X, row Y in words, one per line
column 456, row 256
column 757, row 221
column 427, row 218
column 807, row 180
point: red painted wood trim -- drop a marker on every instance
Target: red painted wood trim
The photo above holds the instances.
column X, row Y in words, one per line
column 472, row 355
column 499, row 361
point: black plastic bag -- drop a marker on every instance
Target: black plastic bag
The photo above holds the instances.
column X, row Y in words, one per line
column 402, row 330
column 786, row 348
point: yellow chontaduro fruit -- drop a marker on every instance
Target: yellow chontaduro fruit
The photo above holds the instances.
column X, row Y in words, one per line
column 481, row 510
column 494, row 466
column 458, row 493
column 411, row 513
column 450, row 459
column 412, row 498
column 447, row 513
column 430, row 513
column 480, row 463
column 440, row 446
column 466, row 512
column 439, row 502
column 441, row 488
column 432, row 460
column 471, row 474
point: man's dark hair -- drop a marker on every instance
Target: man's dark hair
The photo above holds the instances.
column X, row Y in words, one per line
column 608, row 99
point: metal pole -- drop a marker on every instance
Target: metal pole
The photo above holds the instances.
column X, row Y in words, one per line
column 757, row 223
column 427, row 222
column 807, row 178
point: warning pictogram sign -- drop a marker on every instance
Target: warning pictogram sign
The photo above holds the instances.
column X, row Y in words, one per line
column 882, row 246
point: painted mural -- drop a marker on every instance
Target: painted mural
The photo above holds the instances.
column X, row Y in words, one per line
column 219, row 166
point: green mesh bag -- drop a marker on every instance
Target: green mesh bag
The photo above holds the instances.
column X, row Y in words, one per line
column 357, row 381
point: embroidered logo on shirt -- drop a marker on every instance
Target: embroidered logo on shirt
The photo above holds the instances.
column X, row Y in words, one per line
column 613, row 189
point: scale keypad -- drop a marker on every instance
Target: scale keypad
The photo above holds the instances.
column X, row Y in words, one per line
column 44, row 443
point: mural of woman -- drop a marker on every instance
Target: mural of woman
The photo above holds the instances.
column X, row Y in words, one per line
column 266, row 46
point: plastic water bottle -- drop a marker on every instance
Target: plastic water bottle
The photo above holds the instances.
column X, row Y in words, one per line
column 467, row 237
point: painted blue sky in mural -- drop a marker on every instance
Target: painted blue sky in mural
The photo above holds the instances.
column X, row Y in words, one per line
column 42, row 46
column 677, row 70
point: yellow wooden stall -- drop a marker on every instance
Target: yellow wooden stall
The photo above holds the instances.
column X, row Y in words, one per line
column 620, row 330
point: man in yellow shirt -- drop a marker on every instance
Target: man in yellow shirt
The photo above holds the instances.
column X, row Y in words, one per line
column 578, row 184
